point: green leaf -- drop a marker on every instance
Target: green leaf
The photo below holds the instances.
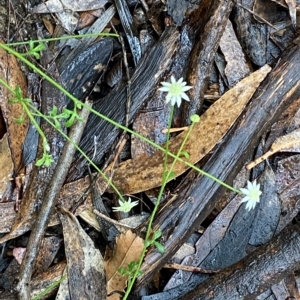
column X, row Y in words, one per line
column 66, row 113
column 78, row 104
column 40, row 47
column 19, row 120
column 31, row 45
column 53, row 111
column 148, row 243
column 40, row 162
column 132, row 266
column 48, row 160
column 57, row 124
column 36, row 55
column 122, row 271
column 71, row 120
column 160, row 248
column 157, row 234
column 185, row 154
column 18, row 93
column 169, row 175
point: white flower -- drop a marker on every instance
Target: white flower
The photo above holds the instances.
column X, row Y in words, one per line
column 252, row 194
column 125, row 206
column 176, row 90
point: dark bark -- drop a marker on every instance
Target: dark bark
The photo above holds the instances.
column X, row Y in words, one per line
column 203, row 56
column 257, row 272
column 146, row 77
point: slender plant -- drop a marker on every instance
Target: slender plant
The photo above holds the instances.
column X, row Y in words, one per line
column 176, row 92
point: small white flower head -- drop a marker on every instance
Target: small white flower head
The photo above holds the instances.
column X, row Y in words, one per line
column 252, row 193
column 176, row 90
column 125, row 206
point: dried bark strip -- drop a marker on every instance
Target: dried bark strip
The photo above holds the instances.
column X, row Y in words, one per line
column 51, row 194
column 256, row 273
column 193, row 205
column 202, row 58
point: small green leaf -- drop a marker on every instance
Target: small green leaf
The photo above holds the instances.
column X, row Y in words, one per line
column 132, row 266
column 169, row 175
column 157, row 234
column 31, row 45
column 57, row 124
column 40, row 162
column 148, row 243
column 19, row 120
column 70, row 121
column 53, row 111
column 66, row 113
column 40, row 47
column 160, row 248
column 122, row 271
column 48, row 160
column 185, row 154
column 36, row 55
column 78, row 104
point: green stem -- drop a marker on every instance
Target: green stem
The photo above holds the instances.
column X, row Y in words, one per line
column 65, row 38
column 165, row 180
column 167, row 143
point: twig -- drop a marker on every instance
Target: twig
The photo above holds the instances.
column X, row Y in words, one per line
column 190, row 268
column 111, row 221
column 256, row 15
column 51, row 194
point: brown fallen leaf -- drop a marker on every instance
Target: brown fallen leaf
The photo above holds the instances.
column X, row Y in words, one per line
column 85, row 265
column 128, row 248
column 6, row 164
column 12, row 74
column 289, row 142
column 145, row 172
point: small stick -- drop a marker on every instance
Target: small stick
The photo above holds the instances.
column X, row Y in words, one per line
column 190, row 268
column 175, row 129
column 256, row 15
column 111, row 221
column 50, row 196
column 259, row 160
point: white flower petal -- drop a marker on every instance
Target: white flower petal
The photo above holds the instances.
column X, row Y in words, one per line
column 185, row 96
column 164, row 89
column 186, row 88
column 244, row 191
column 168, row 97
column 173, row 80
column 166, row 84
column 178, row 101
column 180, row 80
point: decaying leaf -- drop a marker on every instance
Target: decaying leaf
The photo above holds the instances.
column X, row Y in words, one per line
column 85, row 263
column 12, row 74
column 289, row 143
column 6, row 164
column 145, row 172
column 128, row 248
column 54, row 6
